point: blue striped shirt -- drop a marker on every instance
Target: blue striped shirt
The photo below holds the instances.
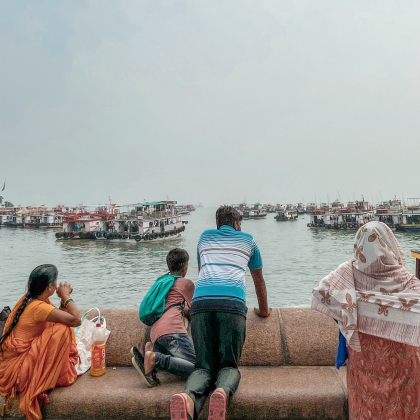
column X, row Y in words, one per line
column 224, row 254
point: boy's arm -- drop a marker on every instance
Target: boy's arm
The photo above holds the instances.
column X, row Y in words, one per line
column 261, row 291
column 188, row 293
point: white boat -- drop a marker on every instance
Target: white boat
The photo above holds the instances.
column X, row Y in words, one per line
column 286, row 215
column 253, row 211
column 152, row 221
column 410, row 217
column 390, row 212
column 354, row 215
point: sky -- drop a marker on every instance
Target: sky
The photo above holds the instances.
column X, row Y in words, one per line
column 209, row 101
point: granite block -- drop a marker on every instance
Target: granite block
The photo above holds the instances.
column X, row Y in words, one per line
column 263, row 341
column 311, row 337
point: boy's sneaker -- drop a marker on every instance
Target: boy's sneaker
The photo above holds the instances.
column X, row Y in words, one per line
column 138, row 362
column 217, row 406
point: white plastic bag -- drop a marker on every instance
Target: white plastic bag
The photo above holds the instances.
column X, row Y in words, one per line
column 84, row 340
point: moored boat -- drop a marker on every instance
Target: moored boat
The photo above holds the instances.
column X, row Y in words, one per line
column 253, row 211
column 354, row 215
column 390, row 212
column 150, row 221
column 410, row 217
column 286, row 215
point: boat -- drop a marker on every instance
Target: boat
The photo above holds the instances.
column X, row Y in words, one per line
column 33, row 217
column 6, row 214
column 286, row 215
column 390, row 212
column 350, row 217
column 301, row 208
column 269, row 208
column 182, row 209
column 150, row 221
column 310, row 207
column 253, row 211
column 410, row 217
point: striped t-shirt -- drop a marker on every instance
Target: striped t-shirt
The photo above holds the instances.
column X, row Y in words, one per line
column 223, row 255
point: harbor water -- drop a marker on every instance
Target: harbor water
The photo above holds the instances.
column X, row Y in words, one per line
column 109, row 274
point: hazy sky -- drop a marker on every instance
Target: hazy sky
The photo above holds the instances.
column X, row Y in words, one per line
column 209, row 101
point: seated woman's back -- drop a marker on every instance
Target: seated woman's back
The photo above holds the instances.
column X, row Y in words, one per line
column 33, row 320
column 38, row 347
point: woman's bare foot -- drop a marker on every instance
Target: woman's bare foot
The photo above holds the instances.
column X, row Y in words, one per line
column 149, row 361
column 44, row 397
column 148, row 346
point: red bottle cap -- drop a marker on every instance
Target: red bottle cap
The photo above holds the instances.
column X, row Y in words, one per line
column 98, row 324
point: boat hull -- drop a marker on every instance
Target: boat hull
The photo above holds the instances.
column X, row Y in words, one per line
column 408, row 228
column 122, row 240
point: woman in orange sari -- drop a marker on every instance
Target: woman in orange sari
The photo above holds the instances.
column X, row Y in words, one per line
column 38, row 349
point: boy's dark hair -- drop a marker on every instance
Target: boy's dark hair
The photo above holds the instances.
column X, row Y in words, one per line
column 227, row 215
column 177, row 259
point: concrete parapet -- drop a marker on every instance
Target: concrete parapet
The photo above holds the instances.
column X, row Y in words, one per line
column 286, row 366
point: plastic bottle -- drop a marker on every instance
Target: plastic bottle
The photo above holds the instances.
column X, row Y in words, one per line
column 98, row 363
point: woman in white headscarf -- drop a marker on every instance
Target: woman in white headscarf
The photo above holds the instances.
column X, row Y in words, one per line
column 376, row 302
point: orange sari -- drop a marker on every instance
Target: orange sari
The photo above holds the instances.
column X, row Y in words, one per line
column 37, row 356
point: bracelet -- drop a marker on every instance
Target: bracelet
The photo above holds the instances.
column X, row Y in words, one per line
column 64, row 305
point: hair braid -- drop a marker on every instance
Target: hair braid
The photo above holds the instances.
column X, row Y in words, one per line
column 40, row 278
column 25, row 302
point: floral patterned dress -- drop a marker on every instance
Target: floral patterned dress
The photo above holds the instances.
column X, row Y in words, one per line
column 383, row 380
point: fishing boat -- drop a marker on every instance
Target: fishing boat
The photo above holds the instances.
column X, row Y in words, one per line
column 390, row 212
column 286, row 215
column 310, row 207
column 301, row 208
column 253, row 211
column 32, row 217
column 182, row 209
column 410, row 217
column 269, row 208
column 6, row 214
column 351, row 217
column 150, row 221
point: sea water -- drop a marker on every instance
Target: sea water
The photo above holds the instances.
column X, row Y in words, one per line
column 109, row 274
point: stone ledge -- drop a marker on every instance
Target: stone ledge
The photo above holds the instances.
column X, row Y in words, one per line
column 264, row 392
column 289, row 336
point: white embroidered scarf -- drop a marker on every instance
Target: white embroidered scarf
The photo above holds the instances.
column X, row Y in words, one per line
column 373, row 293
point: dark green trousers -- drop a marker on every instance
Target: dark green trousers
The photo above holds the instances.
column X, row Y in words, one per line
column 218, row 340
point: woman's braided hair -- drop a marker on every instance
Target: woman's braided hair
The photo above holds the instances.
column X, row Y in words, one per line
column 40, row 278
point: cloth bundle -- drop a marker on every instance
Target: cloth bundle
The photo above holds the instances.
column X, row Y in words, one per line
column 84, row 340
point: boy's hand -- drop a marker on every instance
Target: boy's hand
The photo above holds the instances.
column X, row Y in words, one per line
column 262, row 314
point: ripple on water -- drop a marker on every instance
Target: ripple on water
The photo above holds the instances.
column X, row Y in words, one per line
column 115, row 275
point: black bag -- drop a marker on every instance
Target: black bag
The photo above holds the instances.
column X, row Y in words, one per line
column 3, row 317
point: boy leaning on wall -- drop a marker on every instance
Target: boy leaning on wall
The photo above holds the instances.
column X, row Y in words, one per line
column 171, row 349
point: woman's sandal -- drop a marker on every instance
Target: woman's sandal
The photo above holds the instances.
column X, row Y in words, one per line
column 217, row 406
column 44, row 397
column 178, row 408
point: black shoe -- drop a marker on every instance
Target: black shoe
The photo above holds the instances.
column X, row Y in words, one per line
column 138, row 362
